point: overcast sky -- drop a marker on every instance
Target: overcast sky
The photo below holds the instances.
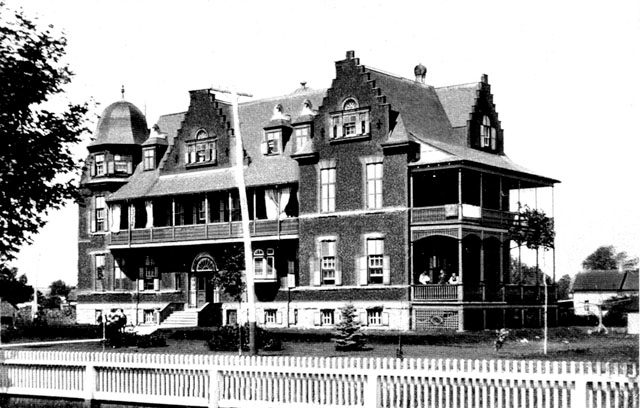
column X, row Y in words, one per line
column 563, row 76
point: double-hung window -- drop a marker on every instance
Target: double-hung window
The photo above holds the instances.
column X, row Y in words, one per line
column 122, row 164
column 272, row 142
column 327, row 317
column 264, row 264
column 352, row 121
column 374, row 185
column 328, row 262
column 375, row 260
column 149, row 159
column 100, row 214
column 150, row 274
column 119, row 278
column 99, row 165
column 302, row 135
column 487, row 134
column 203, row 149
column 99, row 265
column 374, row 317
column 328, row 189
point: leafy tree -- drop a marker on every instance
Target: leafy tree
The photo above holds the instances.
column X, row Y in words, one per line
column 607, row 258
column 523, row 274
column 35, row 158
column 13, row 288
column 534, row 229
column 349, row 336
column 229, row 275
column 59, row 288
column 564, row 287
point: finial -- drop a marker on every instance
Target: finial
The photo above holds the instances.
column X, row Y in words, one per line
column 304, row 84
column 122, row 92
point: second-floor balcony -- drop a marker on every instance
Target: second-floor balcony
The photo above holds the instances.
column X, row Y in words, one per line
column 462, row 213
column 204, row 232
column 508, row 293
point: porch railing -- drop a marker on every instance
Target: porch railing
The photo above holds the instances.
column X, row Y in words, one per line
column 484, row 293
column 258, row 228
column 451, row 212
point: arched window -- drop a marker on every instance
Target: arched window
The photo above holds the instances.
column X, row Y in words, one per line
column 350, row 104
column 351, row 121
column 203, row 149
column 204, row 264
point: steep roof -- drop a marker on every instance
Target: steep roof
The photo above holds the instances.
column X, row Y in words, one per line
column 458, row 102
column 422, row 113
column 121, row 123
column 262, row 170
column 631, row 281
column 599, row 281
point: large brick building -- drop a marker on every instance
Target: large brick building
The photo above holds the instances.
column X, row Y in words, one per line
column 379, row 191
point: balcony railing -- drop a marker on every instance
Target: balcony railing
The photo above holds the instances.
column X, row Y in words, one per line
column 179, row 233
column 470, row 213
column 511, row 294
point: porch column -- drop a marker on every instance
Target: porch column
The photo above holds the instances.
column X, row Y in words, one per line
column 206, row 208
column 173, row 211
column 482, row 256
column 460, row 199
column 481, row 193
column 461, row 277
column 411, row 262
column 501, row 252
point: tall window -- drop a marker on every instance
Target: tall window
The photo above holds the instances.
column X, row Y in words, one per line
column 302, row 135
column 149, row 159
column 150, row 273
column 487, row 134
column 350, row 122
column 328, row 189
column 375, row 260
column 100, row 214
column 119, row 278
column 201, row 211
column 272, row 142
column 100, row 170
column 203, row 149
column 264, row 263
column 374, row 185
column 98, row 273
column 328, row 262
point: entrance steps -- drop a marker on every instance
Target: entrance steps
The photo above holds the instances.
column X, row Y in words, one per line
column 181, row 318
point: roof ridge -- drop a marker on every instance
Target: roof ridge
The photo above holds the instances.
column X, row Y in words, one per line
column 396, row 76
column 290, row 95
column 459, row 85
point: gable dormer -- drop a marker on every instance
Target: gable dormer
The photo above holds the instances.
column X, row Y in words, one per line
column 276, row 133
column 204, row 138
column 485, row 131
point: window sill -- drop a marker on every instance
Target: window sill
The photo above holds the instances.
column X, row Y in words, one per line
column 347, row 139
column 200, row 164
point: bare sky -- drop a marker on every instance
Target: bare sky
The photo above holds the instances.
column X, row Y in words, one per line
column 562, row 74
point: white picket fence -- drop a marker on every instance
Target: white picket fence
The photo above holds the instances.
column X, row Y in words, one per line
column 256, row 382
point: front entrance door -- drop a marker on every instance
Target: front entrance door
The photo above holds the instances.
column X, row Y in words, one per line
column 200, row 291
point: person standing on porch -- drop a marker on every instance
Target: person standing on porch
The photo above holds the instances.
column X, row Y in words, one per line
column 424, row 278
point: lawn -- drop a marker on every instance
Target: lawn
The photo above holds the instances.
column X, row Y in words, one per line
column 564, row 345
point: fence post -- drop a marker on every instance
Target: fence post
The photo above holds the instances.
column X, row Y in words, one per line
column 215, row 378
column 372, row 392
column 89, row 385
column 579, row 394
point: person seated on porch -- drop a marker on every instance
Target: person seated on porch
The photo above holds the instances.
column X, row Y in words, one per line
column 442, row 279
column 424, row 278
column 453, row 280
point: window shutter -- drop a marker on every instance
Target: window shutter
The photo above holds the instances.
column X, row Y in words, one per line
column 385, row 319
column 386, row 270
column 156, row 284
column 92, row 215
column 292, row 317
column 264, row 149
column 291, row 280
column 314, row 272
column 207, row 155
column 363, row 318
column 140, row 284
column 339, row 127
column 337, row 316
column 186, row 158
column 338, row 271
column 92, row 168
column 129, row 168
column 192, row 157
column 279, row 317
column 361, row 266
column 110, row 167
column 260, row 314
column 493, row 138
column 316, row 318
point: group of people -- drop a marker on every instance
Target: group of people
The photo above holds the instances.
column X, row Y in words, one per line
column 443, row 278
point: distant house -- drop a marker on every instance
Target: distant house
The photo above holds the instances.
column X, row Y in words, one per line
column 595, row 287
column 8, row 313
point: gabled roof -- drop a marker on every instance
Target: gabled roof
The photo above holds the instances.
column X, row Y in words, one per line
column 604, row 281
column 422, row 113
column 631, row 281
column 458, row 102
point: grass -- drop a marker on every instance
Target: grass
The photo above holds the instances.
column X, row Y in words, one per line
column 564, row 345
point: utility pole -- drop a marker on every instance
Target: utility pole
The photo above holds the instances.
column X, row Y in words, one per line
column 244, row 216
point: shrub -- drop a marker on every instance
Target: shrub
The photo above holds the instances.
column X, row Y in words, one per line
column 155, row 339
column 349, row 336
column 226, row 339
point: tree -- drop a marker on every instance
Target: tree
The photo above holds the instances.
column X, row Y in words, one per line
column 607, row 258
column 13, row 288
column 36, row 163
column 523, row 274
column 349, row 336
column 564, row 287
column 59, row 288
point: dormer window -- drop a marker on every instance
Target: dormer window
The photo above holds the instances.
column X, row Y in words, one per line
column 352, row 121
column 272, row 142
column 149, row 158
column 487, row 134
column 123, row 164
column 99, row 169
column 302, row 134
column 202, row 150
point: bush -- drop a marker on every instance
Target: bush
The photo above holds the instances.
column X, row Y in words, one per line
column 155, row 339
column 349, row 336
column 226, row 339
